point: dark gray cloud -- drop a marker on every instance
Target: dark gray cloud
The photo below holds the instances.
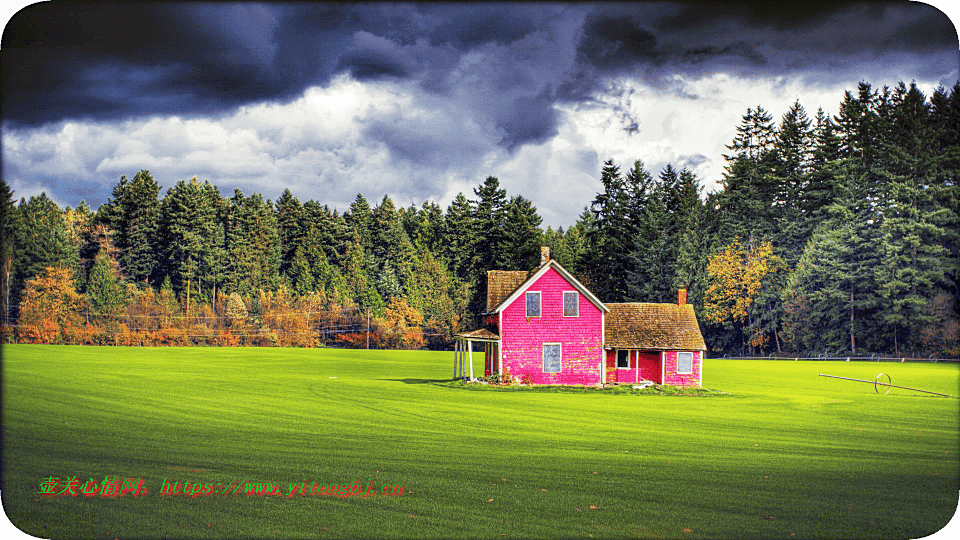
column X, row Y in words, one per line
column 832, row 39
column 499, row 70
column 101, row 60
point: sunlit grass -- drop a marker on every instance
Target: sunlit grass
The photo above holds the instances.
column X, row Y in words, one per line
column 787, row 452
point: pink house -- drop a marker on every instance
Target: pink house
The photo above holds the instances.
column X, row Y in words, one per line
column 545, row 327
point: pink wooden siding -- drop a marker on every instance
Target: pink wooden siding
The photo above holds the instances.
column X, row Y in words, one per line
column 581, row 337
column 670, row 370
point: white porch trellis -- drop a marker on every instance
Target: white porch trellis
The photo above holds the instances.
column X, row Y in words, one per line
column 463, row 351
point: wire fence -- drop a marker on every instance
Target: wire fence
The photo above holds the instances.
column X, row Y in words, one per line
column 346, row 325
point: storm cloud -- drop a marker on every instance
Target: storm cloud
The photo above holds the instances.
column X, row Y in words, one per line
column 485, row 80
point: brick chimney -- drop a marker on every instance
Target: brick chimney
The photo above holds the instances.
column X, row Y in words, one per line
column 681, row 297
column 544, row 255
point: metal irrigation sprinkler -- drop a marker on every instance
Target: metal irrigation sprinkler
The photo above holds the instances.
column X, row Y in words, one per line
column 877, row 384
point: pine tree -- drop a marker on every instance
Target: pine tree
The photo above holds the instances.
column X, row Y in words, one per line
column 794, row 148
column 358, row 282
column 459, row 236
column 327, row 229
column 8, row 221
column 192, row 239
column 821, row 189
column 914, row 228
column 133, row 213
column 252, row 244
column 830, row 297
column 391, row 250
column 611, row 238
column 613, row 235
column 489, row 215
column 649, row 272
column 689, row 241
column 289, row 228
column 424, row 226
column 520, row 241
column 106, row 291
column 359, row 220
column 439, row 296
column 750, row 187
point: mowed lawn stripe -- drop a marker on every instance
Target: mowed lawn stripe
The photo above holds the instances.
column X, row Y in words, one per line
column 785, row 452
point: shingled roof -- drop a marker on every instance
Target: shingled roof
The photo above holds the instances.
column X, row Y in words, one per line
column 501, row 283
column 670, row 327
column 482, row 334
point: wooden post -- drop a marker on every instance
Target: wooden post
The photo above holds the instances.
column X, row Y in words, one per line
column 470, row 357
column 456, row 351
column 368, row 329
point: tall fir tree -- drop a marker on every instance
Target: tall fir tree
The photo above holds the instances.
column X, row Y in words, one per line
column 289, row 228
column 520, row 241
column 192, row 239
column 8, row 220
column 252, row 244
column 489, row 215
column 459, row 237
column 391, row 250
column 133, row 213
column 106, row 292
column 359, row 219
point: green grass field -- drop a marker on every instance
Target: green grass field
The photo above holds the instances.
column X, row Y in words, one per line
column 786, row 454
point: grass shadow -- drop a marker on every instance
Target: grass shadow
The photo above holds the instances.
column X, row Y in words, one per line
column 417, row 381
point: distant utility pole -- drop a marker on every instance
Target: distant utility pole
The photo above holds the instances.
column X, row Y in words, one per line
column 368, row 328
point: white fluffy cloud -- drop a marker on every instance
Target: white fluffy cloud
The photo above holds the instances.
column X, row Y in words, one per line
column 393, row 138
column 327, row 145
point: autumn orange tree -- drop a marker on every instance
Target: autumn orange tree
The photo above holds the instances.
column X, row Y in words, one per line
column 401, row 326
column 737, row 276
column 50, row 307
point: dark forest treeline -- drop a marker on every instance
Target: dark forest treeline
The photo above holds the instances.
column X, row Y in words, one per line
column 833, row 234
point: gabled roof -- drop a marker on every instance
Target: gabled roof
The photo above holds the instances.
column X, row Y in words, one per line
column 501, row 283
column 668, row 327
column 532, row 278
column 480, row 335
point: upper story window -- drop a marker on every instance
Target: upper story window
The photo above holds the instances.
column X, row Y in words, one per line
column 533, row 304
column 571, row 304
column 685, row 362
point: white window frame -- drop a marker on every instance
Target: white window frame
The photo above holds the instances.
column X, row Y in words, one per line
column 575, row 295
column 526, row 302
column 617, row 363
column 543, row 359
column 679, row 372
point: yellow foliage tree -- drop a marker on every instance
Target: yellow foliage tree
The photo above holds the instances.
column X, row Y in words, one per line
column 286, row 322
column 736, row 276
column 401, row 326
column 50, row 307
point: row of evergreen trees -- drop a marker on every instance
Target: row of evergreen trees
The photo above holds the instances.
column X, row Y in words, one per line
column 834, row 234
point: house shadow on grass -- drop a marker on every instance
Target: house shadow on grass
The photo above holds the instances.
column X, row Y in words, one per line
column 417, row 381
